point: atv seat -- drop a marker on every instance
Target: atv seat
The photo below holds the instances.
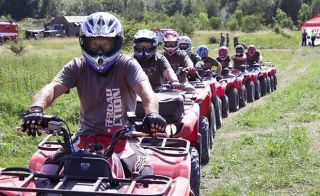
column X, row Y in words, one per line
column 88, row 165
column 171, row 106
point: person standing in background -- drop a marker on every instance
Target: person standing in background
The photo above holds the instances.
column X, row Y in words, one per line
column 227, row 39
column 235, row 40
column 313, row 37
column 304, row 38
column 222, row 38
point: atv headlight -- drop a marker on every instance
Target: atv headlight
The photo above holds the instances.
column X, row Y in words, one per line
column 171, row 129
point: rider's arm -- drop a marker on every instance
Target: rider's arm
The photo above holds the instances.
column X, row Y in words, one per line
column 48, row 94
column 170, row 75
column 187, row 61
column 144, row 90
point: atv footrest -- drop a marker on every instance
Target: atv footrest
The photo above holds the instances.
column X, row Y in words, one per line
column 23, row 180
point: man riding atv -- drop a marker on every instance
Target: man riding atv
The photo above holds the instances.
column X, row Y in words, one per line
column 107, row 83
column 177, row 58
column 185, row 44
column 208, row 62
column 155, row 65
column 253, row 55
column 240, row 58
column 224, row 59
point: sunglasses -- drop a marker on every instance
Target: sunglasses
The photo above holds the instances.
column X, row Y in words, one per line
column 170, row 44
column 183, row 46
column 100, row 45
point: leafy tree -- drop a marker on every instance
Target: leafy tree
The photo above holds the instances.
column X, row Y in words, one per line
column 212, row 7
column 291, row 7
column 182, row 24
column 265, row 8
column 215, row 23
column 251, row 23
column 315, row 7
column 115, row 6
column 173, row 6
column 232, row 23
column 239, row 17
column 50, row 8
column 19, row 9
column 283, row 20
column 304, row 13
column 188, row 8
column 203, row 21
column 131, row 10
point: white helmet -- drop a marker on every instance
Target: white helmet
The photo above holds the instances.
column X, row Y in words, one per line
column 185, row 43
column 104, row 26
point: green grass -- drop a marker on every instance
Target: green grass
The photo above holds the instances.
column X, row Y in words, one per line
column 270, row 148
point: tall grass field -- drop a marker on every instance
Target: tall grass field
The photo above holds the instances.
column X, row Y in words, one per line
column 270, row 147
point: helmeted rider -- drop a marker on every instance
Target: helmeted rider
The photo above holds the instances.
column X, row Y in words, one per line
column 185, row 44
column 253, row 55
column 155, row 65
column 208, row 62
column 240, row 58
column 107, row 83
column 177, row 58
column 224, row 59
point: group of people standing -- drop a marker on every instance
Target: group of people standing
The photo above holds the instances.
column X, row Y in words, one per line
column 305, row 37
column 225, row 40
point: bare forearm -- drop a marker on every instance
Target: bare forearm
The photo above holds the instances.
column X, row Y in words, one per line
column 170, row 75
column 149, row 101
column 48, row 94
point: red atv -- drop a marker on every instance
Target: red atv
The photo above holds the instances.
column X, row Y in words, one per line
column 235, row 90
column 219, row 98
column 98, row 171
column 183, row 118
column 267, row 77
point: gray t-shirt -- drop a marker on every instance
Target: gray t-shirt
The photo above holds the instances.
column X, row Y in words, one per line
column 154, row 68
column 179, row 59
column 104, row 99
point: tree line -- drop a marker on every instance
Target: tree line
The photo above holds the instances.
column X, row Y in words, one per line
column 183, row 15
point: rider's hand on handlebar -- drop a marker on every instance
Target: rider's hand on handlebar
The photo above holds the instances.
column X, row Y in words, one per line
column 32, row 120
column 219, row 77
column 153, row 123
column 192, row 70
column 177, row 85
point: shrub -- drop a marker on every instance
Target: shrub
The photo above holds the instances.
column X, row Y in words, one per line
column 215, row 23
column 232, row 24
column 213, row 40
column 251, row 23
column 277, row 29
column 17, row 46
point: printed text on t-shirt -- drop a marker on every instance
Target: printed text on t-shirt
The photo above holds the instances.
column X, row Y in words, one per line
column 114, row 109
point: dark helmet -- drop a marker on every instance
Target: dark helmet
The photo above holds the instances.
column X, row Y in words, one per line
column 239, row 50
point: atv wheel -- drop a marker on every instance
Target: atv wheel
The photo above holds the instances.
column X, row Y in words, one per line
column 225, row 106
column 212, row 124
column 243, row 96
column 204, row 131
column 275, row 82
column 233, row 96
column 257, row 90
column 264, row 86
column 218, row 111
column 268, row 85
column 250, row 91
column 271, row 83
column 195, row 177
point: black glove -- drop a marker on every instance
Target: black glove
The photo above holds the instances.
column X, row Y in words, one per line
column 153, row 122
column 32, row 121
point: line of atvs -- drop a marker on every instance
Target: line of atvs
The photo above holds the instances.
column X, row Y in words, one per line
column 193, row 115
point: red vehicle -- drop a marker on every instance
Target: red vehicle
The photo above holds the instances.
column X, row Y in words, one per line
column 8, row 31
column 170, row 157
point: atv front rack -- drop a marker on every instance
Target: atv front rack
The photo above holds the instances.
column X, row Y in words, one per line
column 23, row 180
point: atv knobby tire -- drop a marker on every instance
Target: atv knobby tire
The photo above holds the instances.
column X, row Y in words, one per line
column 250, row 91
column 243, row 96
column 257, row 89
column 264, row 86
column 275, row 82
column 212, row 124
column 205, row 140
column 271, row 83
column 233, row 96
column 218, row 111
column 225, row 106
column 195, row 177
column 268, row 85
